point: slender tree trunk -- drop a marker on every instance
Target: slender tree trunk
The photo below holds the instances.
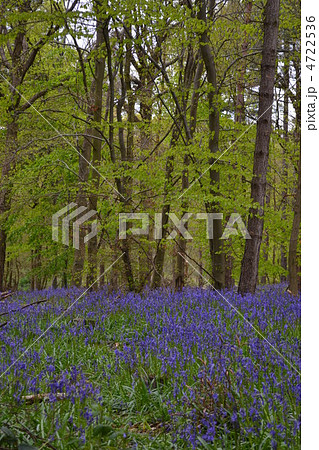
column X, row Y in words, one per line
column 54, row 282
column 265, row 277
column 146, row 102
column 158, row 261
column 38, row 283
column 190, row 74
column 293, row 266
column 294, row 237
column 124, row 184
column 81, row 199
column 127, row 157
column 114, row 274
column 250, row 262
column 200, row 269
column 96, row 149
column 239, row 118
column 240, row 99
column 102, row 275
column 9, row 162
column 9, row 157
column 18, row 276
column 181, row 241
column 64, row 281
column 215, row 244
column 283, row 249
column 274, row 262
column 229, row 262
column 32, row 281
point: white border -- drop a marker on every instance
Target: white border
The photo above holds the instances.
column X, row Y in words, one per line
column 310, row 247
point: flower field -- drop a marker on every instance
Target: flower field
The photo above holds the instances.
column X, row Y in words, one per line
column 155, row 370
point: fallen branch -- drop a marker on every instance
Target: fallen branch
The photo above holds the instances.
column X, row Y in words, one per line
column 37, row 398
column 4, row 295
column 23, row 307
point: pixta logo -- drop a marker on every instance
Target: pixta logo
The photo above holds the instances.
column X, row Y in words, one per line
column 65, row 226
column 234, row 224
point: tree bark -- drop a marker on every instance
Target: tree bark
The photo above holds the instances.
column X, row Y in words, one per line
column 294, row 236
column 190, row 74
column 240, row 98
column 283, row 248
column 250, row 262
column 97, row 145
column 215, row 244
column 81, row 199
column 294, row 277
column 146, row 98
column 158, row 261
column 9, row 162
column 240, row 116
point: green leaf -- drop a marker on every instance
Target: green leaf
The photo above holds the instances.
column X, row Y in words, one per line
column 9, row 435
column 102, row 429
column 25, row 446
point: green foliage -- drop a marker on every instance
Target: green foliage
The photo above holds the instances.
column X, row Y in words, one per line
column 45, row 173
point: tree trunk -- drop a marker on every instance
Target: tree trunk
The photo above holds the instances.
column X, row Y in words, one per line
column 229, row 261
column 240, row 98
column 146, row 101
column 9, row 162
column 250, row 262
column 294, row 278
column 158, row 261
column 127, row 156
column 189, row 75
column 294, row 236
column 181, row 241
column 215, row 244
column 96, row 148
column 283, row 249
column 81, row 200
column 265, row 278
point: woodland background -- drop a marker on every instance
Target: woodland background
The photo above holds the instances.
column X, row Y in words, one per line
column 150, row 94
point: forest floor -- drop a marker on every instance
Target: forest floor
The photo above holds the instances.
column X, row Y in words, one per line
column 156, row 370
